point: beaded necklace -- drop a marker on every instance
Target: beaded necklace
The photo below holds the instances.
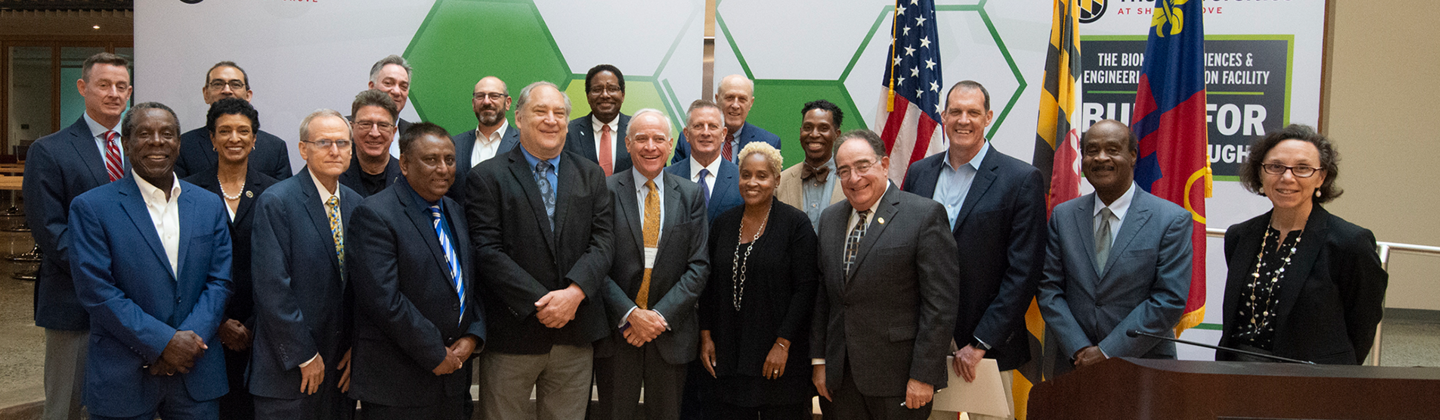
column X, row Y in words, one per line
column 737, row 269
column 1261, row 312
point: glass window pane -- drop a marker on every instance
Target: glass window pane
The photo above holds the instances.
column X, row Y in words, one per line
column 71, row 61
column 31, row 103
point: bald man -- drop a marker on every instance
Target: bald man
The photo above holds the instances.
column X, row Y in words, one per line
column 735, row 97
column 492, row 136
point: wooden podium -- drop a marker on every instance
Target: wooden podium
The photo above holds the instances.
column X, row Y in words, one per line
column 1128, row 388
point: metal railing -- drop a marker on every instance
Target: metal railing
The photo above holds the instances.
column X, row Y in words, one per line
column 1384, row 249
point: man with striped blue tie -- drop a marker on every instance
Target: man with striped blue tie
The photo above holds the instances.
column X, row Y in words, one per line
column 418, row 317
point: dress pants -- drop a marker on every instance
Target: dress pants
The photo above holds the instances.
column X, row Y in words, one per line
column 238, row 404
column 175, row 404
column 723, row 411
column 560, row 378
column 65, row 373
column 620, row 378
column 328, row 403
column 452, row 408
column 850, row 404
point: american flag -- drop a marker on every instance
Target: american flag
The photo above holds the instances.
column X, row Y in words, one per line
column 911, row 96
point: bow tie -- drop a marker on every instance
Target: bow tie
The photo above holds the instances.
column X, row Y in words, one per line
column 806, row 172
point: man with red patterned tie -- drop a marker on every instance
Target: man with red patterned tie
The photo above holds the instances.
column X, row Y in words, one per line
column 600, row 136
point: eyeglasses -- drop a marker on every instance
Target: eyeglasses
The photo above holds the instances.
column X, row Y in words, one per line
column 367, row 125
column 1299, row 171
column 234, row 85
column 494, row 97
column 601, row 90
column 860, row 168
column 327, row 143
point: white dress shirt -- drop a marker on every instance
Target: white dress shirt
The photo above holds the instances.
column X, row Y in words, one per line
column 714, row 168
column 324, row 198
column 1119, row 208
column 165, row 213
column 640, row 194
column 614, row 124
column 487, row 147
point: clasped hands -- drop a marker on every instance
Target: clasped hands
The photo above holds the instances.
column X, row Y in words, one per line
column 180, row 355
column 557, row 308
column 456, row 355
column 645, row 325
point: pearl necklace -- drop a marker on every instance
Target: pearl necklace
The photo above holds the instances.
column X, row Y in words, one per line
column 1260, row 315
column 737, row 269
column 229, row 197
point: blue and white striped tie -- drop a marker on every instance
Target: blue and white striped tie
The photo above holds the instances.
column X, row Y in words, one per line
column 440, row 231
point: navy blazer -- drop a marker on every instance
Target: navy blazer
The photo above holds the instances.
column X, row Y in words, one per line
column 352, row 177
column 1000, row 233
column 303, row 307
column 137, row 303
column 581, row 139
column 197, row 154
column 724, row 195
column 1143, row 287
column 464, row 147
column 406, row 307
column 58, row 168
column 748, row 133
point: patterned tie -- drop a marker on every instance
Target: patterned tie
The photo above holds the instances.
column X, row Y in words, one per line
column 547, row 192
column 607, row 148
column 852, row 243
column 729, row 150
column 1102, row 240
column 652, row 240
column 336, row 232
column 113, row 164
column 450, row 259
column 705, row 187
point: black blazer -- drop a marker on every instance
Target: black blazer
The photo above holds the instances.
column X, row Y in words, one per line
column 464, row 147
column 1001, row 233
column 1330, row 299
column 680, row 270
column 406, row 308
column 197, row 154
column 524, row 259
column 353, row 176
column 242, row 304
column 581, row 139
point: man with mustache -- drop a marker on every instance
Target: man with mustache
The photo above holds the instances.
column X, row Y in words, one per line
column 600, row 135
column 492, row 137
column 735, row 96
column 811, row 185
column 371, row 167
column 227, row 80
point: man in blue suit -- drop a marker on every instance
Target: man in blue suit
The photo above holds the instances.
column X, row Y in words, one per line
column 996, row 207
column 1117, row 260
column 418, row 316
column 301, row 363
column 60, row 167
column 492, row 137
column 600, row 136
column 719, row 179
column 197, row 154
column 152, row 266
column 736, row 96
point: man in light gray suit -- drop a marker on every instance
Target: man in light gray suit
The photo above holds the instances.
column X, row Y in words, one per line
column 1117, row 260
column 888, row 295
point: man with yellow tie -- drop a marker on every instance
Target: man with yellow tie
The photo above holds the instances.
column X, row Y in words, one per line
column 659, row 269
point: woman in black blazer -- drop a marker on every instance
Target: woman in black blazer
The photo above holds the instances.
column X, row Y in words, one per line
column 1302, row 283
column 756, row 308
column 233, row 123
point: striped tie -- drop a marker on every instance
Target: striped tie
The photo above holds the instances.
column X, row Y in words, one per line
column 336, row 232
column 113, row 164
column 450, row 259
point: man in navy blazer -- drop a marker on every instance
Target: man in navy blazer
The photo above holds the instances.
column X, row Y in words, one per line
column 492, row 137
column 996, row 206
column 588, row 135
column 735, row 96
column 718, row 178
column 300, row 367
column 197, row 154
column 417, row 318
column 152, row 266
column 1096, row 289
column 60, row 167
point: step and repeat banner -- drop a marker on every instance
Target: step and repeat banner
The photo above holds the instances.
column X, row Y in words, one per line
column 1263, row 64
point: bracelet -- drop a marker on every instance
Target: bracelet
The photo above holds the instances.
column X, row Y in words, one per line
column 782, row 345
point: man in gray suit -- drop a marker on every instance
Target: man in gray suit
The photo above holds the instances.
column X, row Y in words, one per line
column 1117, row 260
column 651, row 290
column 887, row 300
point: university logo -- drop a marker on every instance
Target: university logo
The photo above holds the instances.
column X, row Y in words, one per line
column 1091, row 10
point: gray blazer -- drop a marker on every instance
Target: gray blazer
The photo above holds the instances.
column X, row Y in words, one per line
column 1144, row 286
column 893, row 319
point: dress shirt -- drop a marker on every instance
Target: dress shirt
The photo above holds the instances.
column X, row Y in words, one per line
column 395, row 140
column 165, row 213
column 614, row 136
column 97, row 132
column 695, row 168
column 325, row 198
column 640, row 194
column 818, row 194
column 849, row 228
column 486, row 146
column 1119, row 208
column 954, row 183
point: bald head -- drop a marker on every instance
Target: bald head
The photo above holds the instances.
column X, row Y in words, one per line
column 491, row 100
column 735, row 97
column 1111, row 128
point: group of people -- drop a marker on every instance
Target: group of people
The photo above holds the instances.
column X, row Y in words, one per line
column 400, row 261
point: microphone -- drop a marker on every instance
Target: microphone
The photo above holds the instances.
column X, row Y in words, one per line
column 1138, row 333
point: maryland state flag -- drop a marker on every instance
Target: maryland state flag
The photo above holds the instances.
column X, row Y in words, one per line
column 1170, row 122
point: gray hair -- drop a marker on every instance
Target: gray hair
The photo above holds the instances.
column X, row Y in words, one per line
column 703, row 104
column 127, row 127
column 392, row 59
column 525, row 95
column 658, row 114
column 322, row 112
column 876, row 144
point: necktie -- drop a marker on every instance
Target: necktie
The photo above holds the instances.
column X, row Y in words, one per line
column 806, row 172
column 450, row 258
column 607, row 149
column 652, row 240
column 1102, row 240
column 704, row 186
column 852, row 243
column 336, row 232
column 547, row 191
column 112, row 156
column 728, row 151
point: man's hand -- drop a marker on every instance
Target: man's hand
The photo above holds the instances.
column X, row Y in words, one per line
column 234, row 335
column 645, row 324
column 184, row 349
column 707, row 352
column 312, row 375
column 1089, row 356
column 917, row 394
column 446, row 367
column 462, row 349
column 965, row 361
column 160, row 368
column 818, row 377
column 557, row 308
column 344, row 368
column 775, row 361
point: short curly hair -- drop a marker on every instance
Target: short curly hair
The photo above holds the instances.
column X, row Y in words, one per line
column 764, row 149
column 1250, row 171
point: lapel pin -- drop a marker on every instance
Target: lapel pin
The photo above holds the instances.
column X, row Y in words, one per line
column 249, row 194
column 881, row 220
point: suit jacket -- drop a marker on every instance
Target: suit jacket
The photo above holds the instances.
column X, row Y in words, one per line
column 1331, row 296
column 137, row 302
column 525, row 259
column 891, row 321
column 407, row 308
column 58, row 168
column 353, row 176
column 304, row 306
column 242, row 304
column 791, row 189
column 1000, row 232
column 581, row 139
column 748, row 133
column 724, row 195
column 1144, row 285
column 464, row 147
column 681, row 268
column 197, row 154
